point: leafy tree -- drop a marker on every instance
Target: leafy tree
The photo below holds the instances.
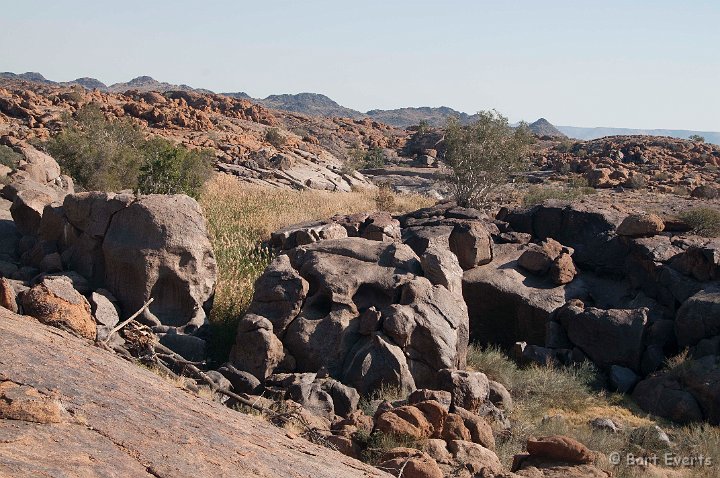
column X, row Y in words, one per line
column 483, row 155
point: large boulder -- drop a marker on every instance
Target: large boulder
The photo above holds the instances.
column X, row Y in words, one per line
column 158, row 246
column 608, row 337
column 361, row 309
column 698, row 318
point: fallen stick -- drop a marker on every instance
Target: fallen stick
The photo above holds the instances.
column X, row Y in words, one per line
column 125, row 322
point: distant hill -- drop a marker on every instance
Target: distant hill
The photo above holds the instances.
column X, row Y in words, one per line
column 404, row 117
column 594, row 133
column 310, row 104
column 148, row 83
column 543, row 127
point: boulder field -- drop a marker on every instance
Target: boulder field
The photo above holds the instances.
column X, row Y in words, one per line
column 375, row 300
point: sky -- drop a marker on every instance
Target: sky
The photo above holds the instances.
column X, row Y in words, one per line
column 631, row 63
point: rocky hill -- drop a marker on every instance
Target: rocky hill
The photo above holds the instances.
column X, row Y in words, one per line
column 310, row 104
column 543, row 127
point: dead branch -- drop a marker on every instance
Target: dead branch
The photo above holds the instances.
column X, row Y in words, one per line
column 125, row 322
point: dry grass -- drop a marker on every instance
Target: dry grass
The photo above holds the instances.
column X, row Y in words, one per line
column 572, row 393
column 241, row 216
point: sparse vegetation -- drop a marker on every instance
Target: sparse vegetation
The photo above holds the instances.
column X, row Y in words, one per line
column 9, row 158
column 359, row 158
column 375, row 445
column 563, row 400
column 275, row 137
column 483, row 155
column 696, row 138
column 636, row 181
column 240, row 217
column 104, row 155
column 385, row 198
column 704, row 221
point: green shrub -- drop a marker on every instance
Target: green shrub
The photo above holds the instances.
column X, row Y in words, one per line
column 9, row 158
column 359, row 158
column 482, row 156
column 169, row 169
column 704, row 221
column 97, row 153
column 275, row 137
column 111, row 155
column 374, row 158
column 696, row 138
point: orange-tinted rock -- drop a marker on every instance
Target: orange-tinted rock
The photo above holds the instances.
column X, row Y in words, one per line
column 55, row 302
column 560, row 448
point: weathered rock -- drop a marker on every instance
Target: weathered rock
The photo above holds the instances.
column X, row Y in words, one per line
column 56, row 302
column 313, row 398
column 699, row 317
column 443, row 397
column 441, row 267
column 257, row 349
column 499, row 396
column 666, row 397
column 28, row 207
column 8, row 298
column 560, row 448
column 381, row 226
column 241, row 381
column 189, row 347
column 345, row 399
column 104, row 311
column 454, row 429
column 622, row 378
column 538, row 258
column 404, row 421
column 469, row 389
column 91, row 212
column 651, row 438
column 480, row 430
column 22, row 402
column 475, row 458
column 641, row 225
column 472, row 244
column 158, row 247
column 413, row 463
column 608, row 337
column 562, row 269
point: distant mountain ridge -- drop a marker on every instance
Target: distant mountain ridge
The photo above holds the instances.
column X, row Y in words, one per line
column 316, row 104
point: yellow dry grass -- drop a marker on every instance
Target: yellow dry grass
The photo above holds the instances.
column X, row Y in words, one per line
column 241, row 216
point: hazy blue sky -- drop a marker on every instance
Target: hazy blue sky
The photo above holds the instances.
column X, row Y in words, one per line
column 643, row 63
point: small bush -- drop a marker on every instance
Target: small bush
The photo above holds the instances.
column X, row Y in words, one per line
column 636, row 181
column 359, row 158
column 704, row 221
column 375, row 445
column 385, row 198
column 9, row 158
column 275, row 137
column 391, row 393
column 696, row 138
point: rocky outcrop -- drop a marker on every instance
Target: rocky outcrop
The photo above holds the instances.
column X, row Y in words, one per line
column 105, row 434
column 359, row 309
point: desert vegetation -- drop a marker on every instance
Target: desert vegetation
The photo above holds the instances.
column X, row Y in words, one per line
column 483, row 155
column 112, row 155
column 704, row 221
column 566, row 400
